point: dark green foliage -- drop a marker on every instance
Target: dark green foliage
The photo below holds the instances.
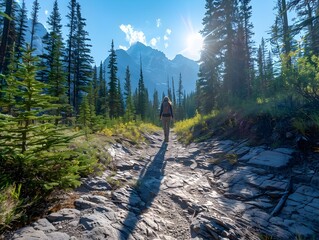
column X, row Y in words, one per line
column 82, row 60
column 22, row 26
column 129, row 110
column 34, row 19
column 54, row 69
column 114, row 98
column 33, row 149
column 142, row 96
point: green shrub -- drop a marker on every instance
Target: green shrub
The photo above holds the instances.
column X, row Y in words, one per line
column 10, row 205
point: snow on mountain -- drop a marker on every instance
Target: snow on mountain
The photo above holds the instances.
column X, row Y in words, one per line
column 157, row 69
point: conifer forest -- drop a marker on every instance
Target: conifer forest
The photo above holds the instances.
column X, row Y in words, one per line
column 49, row 100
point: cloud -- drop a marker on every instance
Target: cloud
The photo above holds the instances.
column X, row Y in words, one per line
column 46, row 12
column 166, row 45
column 123, row 47
column 154, row 41
column 166, row 36
column 158, row 22
column 132, row 35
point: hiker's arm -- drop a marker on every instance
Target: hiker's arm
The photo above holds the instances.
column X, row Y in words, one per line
column 172, row 115
column 160, row 115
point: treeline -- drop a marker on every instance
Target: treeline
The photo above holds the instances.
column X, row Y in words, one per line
column 84, row 96
column 42, row 96
column 283, row 69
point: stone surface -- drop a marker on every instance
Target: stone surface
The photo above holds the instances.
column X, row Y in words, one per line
column 271, row 159
column 170, row 191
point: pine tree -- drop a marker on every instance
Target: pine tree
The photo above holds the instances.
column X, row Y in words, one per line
column 208, row 84
column 173, row 92
column 113, row 84
column 155, row 107
column 103, row 101
column 87, row 115
column 121, row 109
column 169, row 90
column 54, row 61
column 180, row 98
column 34, row 19
column 71, row 46
column 230, row 77
column 5, row 39
column 95, row 88
column 30, row 144
column 83, row 60
column 21, row 30
column 248, row 50
column 129, row 110
column 142, row 98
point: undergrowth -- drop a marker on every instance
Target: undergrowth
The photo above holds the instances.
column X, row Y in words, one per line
column 266, row 121
column 132, row 131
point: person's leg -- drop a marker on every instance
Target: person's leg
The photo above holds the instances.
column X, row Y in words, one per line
column 167, row 128
column 166, row 125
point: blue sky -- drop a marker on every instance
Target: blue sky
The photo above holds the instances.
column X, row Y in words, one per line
column 170, row 26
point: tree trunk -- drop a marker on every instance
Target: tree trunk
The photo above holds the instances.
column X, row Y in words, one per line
column 5, row 35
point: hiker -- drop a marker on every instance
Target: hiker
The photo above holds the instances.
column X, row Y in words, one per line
column 166, row 114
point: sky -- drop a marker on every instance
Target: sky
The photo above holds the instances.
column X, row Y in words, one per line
column 171, row 26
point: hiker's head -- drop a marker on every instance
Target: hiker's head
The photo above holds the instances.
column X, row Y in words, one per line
column 166, row 99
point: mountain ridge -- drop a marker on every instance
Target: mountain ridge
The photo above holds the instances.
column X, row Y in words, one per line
column 158, row 70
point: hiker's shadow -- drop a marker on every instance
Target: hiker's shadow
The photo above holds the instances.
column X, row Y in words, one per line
column 147, row 187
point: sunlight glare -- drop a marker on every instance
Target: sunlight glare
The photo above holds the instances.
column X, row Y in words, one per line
column 194, row 43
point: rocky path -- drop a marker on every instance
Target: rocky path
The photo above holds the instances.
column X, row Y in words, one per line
column 211, row 190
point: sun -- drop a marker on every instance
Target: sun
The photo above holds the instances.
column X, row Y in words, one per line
column 194, row 43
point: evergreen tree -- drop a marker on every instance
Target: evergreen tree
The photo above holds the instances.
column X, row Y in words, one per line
column 34, row 19
column 113, row 84
column 21, row 30
column 230, row 77
column 208, row 83
column 155, row 107
column 54, row 61
column 142, row 98
column 173, row 92
column 180, row 98
column 83, row 60
column 95, row 88
column 129, row 110
column 247, row 47
column 103, row 108
column 29, row 143
column 71, row 46
column 87, row 115
column 121, row 109
column 5, row 38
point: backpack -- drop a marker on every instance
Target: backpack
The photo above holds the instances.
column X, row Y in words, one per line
column 166, row 109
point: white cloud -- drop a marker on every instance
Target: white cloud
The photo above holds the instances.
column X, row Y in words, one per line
column 132, row 35
column 158, row 22
column 154, row 41
column 46, row 12
column 166, row 36
column 166, row 45
column 123, row 47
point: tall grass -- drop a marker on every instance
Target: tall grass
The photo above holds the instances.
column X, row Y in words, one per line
column 10, row 204
column 133, row 131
